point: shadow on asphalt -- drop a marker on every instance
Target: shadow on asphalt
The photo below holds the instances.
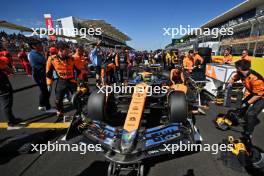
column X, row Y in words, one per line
column 96, row 168
column 190, row 172
column 11, row 147
column 100, row 167
column 151, row 162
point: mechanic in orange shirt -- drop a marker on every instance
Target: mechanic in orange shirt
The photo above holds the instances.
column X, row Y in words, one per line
column 176, row 75
column 80, row 60
column 65, row 67
column 198, row 60
column 253, row 104
column 227, row 57
column 245, row 55
column 188, row 62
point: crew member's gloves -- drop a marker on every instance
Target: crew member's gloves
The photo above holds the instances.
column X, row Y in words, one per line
column 49, row 88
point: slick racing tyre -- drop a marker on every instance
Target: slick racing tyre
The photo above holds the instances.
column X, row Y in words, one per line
column 99, row 106
column 177, row 107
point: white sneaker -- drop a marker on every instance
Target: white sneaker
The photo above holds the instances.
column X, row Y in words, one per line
column 52, row 111
column 42, row 108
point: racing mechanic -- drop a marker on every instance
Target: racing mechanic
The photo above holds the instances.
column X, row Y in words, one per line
column 198, row 60
column 227, row 57
column 64, row 65
column 245, row 55
column 176, row 75
column 6, row 92
column 188, row 62
column 81, row 60
column 254, row 102
column 191, row 61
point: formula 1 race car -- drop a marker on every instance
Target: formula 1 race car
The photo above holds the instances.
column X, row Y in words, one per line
column 151, row 120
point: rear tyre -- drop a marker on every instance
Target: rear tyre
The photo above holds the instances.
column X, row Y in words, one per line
column 177, row 107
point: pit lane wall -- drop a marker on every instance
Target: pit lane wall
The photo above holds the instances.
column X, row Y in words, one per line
column 257, row 63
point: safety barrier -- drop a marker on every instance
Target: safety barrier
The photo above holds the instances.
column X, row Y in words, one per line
column 257, row 63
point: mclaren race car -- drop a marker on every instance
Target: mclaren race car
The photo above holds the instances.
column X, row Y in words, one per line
column 133, row 126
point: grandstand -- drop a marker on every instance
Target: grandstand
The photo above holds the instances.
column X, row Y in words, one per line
column 110, row 35
column 247, row 21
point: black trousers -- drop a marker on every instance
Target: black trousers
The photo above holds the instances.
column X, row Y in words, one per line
column 112, row 76
column 44, row 93
column 62, row 88
column 121, row 75
column 252, row 114
column 6, row 103
column 122, row 72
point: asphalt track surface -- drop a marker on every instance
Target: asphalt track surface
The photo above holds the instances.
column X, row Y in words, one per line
column 93, row 164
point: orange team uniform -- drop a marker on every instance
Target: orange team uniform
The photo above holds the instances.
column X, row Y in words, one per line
column 177, row 76
column 197, row 57
column 188, row 64
column 64, row 69
column 247, row 57
column 253, row 83
column 228, row 59
column 80, row 61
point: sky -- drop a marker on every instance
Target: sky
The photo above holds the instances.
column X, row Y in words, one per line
column 142, row 20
